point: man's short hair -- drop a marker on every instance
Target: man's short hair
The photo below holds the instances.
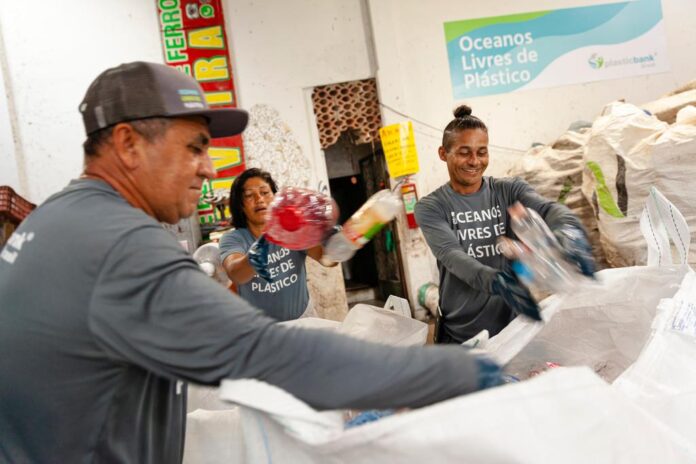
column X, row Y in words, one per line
column 150, row 128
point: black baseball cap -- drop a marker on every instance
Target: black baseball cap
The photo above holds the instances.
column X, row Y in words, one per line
column 142, row 90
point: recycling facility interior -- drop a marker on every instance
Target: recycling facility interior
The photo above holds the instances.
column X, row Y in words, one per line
column 388, row 55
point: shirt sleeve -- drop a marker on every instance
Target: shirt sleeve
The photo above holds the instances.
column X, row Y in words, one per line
column 554, row 214
column 231, row 242
column 443, row 242
column 154, row 308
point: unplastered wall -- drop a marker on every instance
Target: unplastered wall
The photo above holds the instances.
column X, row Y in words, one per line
column 49, row 52
column 414, row 81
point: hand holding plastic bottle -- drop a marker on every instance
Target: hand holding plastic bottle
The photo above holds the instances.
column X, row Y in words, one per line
column 539, row 261
column 515, row 295
column 258, row 258
column 577, row 249
column 364, row 224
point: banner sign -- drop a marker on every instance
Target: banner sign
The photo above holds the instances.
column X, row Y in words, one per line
column 399, row 146
column 502, row 54
column 194, row 41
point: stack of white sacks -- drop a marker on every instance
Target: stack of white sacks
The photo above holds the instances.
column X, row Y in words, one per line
column 608, row 377
column 604, row 172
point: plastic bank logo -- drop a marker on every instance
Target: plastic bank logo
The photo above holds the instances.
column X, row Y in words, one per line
column 595, row 61
column 645, row 61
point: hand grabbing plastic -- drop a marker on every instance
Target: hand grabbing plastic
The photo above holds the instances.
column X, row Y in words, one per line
column 258, row 258
column 576, row 247
column 516, row 296
column 330, row 233
column 490, row 374
column 362, row 226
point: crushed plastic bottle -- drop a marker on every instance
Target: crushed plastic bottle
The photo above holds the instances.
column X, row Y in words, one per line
column 299, row 219
column 538, row 259
column 364, row 224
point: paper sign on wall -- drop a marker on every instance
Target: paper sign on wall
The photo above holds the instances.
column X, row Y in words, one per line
column 557, row 47
column 399, row 147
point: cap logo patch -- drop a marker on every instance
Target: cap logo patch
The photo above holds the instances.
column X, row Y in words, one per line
column 191, row 98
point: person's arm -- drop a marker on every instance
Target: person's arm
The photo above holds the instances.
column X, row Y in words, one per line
column 316, row 253
column 154, row 308
column 240, row 264
column 554, row 214
column 442, row 240
column 238, row 268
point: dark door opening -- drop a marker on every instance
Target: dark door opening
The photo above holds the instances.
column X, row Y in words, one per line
column 359, row 272
column 386, row 243
column 356, row 172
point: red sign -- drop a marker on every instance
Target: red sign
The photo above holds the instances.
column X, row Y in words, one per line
column 194, row 41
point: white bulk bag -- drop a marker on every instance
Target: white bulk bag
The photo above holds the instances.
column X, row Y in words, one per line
column 568, row 415
column 214, row 431
column 629, row 152
column 604, row 325
column 663, row 379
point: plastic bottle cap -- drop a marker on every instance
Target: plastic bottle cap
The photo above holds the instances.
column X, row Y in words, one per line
column 290, row 219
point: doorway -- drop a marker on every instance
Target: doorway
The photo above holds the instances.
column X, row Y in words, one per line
column 356, row 172
column 348, row 122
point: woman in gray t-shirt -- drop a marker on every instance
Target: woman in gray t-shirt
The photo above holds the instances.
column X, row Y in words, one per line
column 286, row 296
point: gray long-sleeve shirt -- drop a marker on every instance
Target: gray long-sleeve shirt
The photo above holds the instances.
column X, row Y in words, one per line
column 102, row 314
column 462, row 231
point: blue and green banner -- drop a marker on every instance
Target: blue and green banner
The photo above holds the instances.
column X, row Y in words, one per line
column 503, row 54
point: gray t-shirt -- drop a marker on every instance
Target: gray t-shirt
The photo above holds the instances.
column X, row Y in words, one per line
column 287, row 296
column 462, row 232
column 102, row 313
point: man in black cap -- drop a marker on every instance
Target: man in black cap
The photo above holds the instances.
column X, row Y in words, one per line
column 104, row 317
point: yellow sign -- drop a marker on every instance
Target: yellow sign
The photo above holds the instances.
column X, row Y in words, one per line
column 399, row 147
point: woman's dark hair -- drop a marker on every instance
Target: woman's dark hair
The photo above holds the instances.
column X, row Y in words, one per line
column 463, row 120
column 237, row 194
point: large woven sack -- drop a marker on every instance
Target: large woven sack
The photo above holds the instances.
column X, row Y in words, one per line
column 627, row 153
column 555, row 172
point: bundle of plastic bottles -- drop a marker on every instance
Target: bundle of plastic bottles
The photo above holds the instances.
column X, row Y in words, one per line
column 300, row 218
column 538, row 259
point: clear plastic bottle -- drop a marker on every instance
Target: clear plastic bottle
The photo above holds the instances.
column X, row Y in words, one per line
column 364, row 224
column 539, row 261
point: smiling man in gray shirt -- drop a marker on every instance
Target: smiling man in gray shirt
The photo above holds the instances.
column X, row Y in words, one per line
column 461, row 222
